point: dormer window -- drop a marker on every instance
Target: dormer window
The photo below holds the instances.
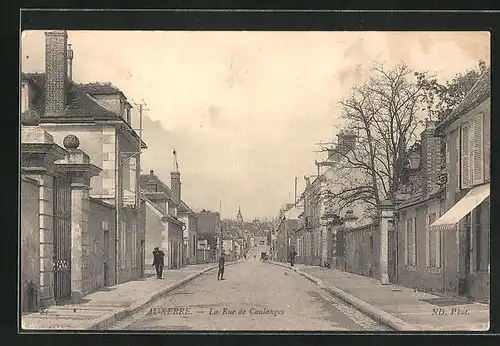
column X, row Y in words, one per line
column 127, row 110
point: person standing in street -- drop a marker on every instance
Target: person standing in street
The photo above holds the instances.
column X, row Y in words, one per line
column 292, row 255
column 158, row 262
column 222, row 262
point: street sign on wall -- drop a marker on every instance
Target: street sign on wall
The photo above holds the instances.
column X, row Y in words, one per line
column 203, row 244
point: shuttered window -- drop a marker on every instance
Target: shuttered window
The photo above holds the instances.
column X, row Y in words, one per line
column 411, row 254
column 433, row 243
column 465, row 156
column 477, row 150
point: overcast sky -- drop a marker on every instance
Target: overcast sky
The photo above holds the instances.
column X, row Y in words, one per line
column 249, row 106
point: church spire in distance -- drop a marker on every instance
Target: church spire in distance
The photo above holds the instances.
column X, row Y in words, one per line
column 239, row 217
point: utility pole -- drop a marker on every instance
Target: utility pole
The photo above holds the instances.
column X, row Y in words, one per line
column 295, row 196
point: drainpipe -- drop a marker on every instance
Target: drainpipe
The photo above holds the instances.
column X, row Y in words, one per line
column 117, row 208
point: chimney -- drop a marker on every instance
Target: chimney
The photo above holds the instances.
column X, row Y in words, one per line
column 175, row 184
column 70, row 62
column 151, row 173
column 431, row 157
column 56, row 70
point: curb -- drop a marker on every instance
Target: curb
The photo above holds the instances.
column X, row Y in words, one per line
column 377, row 314
column 113, row 317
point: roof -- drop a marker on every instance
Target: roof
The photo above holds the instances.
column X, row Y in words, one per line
column 293, row 214
column 79, row 103
column 97, row 88
column 480, row 92
column 159, row 211
column 143, row 180
column 419, row 198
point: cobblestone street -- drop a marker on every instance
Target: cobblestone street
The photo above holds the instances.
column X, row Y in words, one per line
column 272, row 298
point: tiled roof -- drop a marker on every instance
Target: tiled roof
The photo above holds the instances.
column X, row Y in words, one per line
column 97, row 88
column 79, row 103
column 479, row 93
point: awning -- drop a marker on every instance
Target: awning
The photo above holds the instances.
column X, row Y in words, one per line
column 463, row 207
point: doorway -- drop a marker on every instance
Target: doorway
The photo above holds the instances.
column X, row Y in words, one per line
column 392, row 253
column 143, row 254
column 464, row 282
column 106, row 258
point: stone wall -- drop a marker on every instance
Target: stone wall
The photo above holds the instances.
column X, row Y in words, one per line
column 154, row 233
column 130, row 262
column 30, row 239
column 360, row 258
column 102, row 246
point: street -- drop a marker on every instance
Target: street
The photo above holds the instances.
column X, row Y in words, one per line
column 254, row 296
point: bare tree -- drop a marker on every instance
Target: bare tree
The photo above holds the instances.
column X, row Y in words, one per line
column 382, row 114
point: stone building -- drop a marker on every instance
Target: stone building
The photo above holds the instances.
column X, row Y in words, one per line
column 67, row 108
column 443, row 223
column 285, row 234
column 164, row 229
column 65, row 234
column 466, row 217
column 421, row 202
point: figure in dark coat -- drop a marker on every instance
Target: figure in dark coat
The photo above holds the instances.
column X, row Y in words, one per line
column 222, row 262
column 158, row 262
column 292, row 256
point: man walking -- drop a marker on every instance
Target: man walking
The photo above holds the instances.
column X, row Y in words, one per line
column 158, row 262
column 292, row 255
column 222, row 261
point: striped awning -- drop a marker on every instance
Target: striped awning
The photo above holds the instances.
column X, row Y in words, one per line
column 463, row 207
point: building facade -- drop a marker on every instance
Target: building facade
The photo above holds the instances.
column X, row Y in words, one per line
column 466, row 219
column 443, row 224
column 66, row 108
column 164, row 229
column 65, row 247
column 209, row 229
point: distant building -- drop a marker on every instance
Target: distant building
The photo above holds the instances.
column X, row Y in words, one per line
column 209, row 228
column 164, row 229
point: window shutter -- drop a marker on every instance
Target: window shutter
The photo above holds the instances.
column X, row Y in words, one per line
column 465, row 157
column 477, row 150
column 133, row 174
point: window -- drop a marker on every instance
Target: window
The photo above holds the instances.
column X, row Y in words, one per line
column 477, row 150
column 433, row 243
column 126, row 173
column 133, row 174
column 471, row 152
column 25, row 104
column 464, row 156
column 411, row 236
column 371, row 244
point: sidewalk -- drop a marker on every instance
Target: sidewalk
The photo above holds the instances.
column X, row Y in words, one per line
column 112, row 303
column 400, row 308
